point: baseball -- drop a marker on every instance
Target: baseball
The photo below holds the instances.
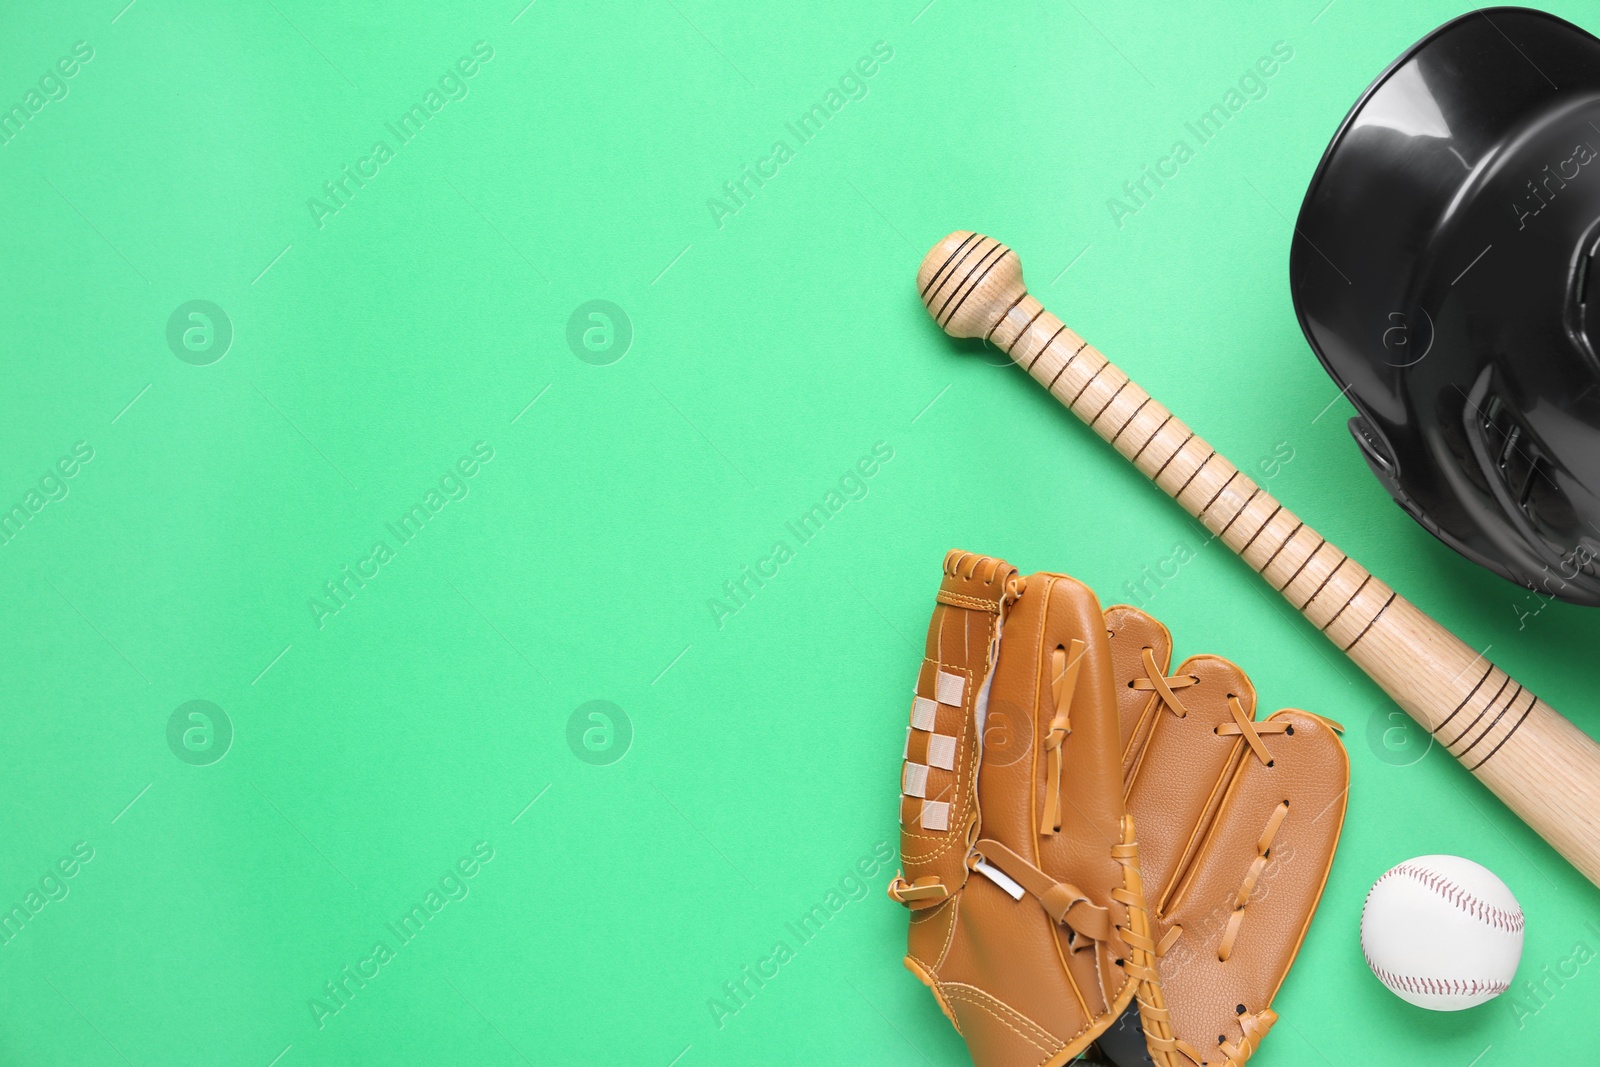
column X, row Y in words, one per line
column 1442, row 932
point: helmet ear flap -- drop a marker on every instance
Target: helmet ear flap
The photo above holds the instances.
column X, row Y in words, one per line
column 1376, row 451
column 1385, row 466
column 1512, row 465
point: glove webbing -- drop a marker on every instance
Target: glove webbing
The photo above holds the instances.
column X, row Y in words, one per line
column 1140, row 964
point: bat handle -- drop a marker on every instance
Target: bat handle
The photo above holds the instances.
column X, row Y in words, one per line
column 1543, row 768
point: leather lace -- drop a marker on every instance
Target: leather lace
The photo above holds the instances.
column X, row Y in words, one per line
column 1164, row 686
column 927, row 887
column 1062, row 901
column 1248, row 885
column 1063, row 681
column 1164, row 1046
column 1243, row 726
column 1253, row 1026
column 1167, row 1050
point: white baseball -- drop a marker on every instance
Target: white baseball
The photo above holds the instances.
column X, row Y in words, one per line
column 1442, row 932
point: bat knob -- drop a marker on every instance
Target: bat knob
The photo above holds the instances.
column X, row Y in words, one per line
column 968, row 283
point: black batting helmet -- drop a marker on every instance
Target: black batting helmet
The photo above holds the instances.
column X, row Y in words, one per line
column 1446, row 270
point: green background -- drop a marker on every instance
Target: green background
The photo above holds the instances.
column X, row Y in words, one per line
column 430, row 714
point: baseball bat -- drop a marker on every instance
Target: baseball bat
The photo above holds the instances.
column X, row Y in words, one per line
column 1543, row 768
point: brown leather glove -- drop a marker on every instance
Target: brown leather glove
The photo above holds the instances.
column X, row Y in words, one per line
column 1238, row 821
column 1020, row 867
column 1040, row 732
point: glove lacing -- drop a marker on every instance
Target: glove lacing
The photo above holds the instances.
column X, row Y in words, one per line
column 1063, row 682
column 1241, row 726
column 1254, row 1025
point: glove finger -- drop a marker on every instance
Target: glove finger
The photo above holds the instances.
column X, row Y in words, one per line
column 1131, row 631
column 1254, row 884
column 938, row 802
column 1182, row 771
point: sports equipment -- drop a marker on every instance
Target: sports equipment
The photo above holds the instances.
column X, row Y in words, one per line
column 1025, row 981
column 1034, row 715
column 1442, row 932
column 1237, row 822
column 1543, row 768
column 1444, row 271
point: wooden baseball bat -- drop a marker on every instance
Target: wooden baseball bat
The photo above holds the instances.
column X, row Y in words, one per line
column 1544, row 768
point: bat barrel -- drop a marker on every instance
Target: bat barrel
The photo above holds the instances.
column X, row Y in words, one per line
column 1538, row 763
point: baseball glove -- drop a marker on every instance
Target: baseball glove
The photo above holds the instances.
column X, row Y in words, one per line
column 1238, row 821
column 1020, row 867
column 1036, row 918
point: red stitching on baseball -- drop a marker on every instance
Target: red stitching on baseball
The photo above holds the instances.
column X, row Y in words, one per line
column 1443, row 987
column 1499, row 918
